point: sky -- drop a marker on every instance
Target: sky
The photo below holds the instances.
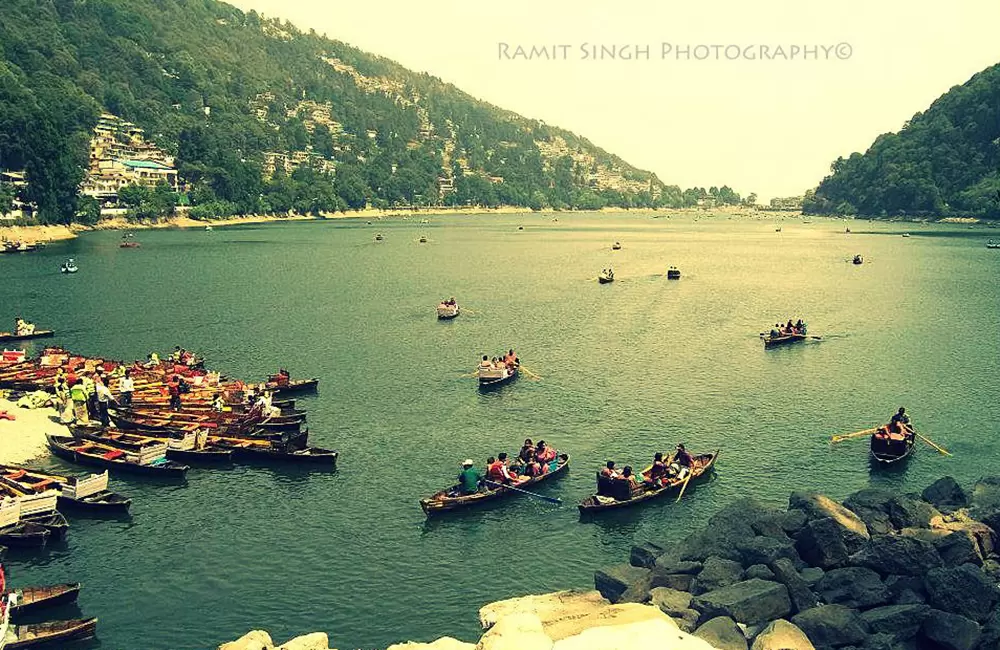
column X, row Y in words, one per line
column 762, row 96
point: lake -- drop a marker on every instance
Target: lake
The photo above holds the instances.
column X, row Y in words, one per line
column 627, row 369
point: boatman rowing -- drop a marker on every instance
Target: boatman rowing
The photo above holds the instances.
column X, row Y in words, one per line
column 900, row 422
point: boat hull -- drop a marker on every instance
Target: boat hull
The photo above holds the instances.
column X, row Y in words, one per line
column 783, row 340
column 25, row 636
column 704, row 465
column 31, row 599
column 170, row 469
column 439, row 503
column 885, row 451
column 492, row 379
column 37, row 334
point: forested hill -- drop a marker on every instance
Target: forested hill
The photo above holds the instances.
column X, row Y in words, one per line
column 219, row 89
column 944, row 162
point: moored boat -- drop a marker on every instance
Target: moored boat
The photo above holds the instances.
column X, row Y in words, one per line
column 151, row 460
column 83, row 493
column 26, row 636
column 615, row 493
column 14, row 532
column 30, row 599
column 193, row 447
column 888, row 448
column 291, row 386
column 36, row 334
column 442, row 502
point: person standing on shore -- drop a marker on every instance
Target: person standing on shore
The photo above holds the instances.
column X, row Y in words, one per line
column 104, row 398
column 78, row 395
column 174, row 390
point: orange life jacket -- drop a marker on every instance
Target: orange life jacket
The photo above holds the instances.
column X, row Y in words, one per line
column 495, row 471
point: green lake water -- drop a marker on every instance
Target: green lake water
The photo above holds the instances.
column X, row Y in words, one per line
column 627, row 369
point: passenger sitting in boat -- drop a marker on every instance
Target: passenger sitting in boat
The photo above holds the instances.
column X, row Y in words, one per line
column 154, row 359
column 682, row 462
column 627, row 475
column 510, row 359
column 799, row 325
column 23, row 327
column 531, row 466
column 658, row 472
column 900, row 422
column 219, row 404
column 545, row 455
column 774, row 333
column 497, row 470
column 609, row 470
column 282, row 378
column 485, row 363
column 527, row 450
column 470, row 478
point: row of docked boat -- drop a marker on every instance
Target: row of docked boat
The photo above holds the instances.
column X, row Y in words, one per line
column 17, row 603
column 612, row 493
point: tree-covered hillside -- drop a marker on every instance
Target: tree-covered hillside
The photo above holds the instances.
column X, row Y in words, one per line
column 226, row 91
column 943, row 162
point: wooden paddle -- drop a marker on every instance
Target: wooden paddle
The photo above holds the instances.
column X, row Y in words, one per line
column 856, row 434
column 930, row 442
column 684, row 487
column 530, row 374
column 531, row 494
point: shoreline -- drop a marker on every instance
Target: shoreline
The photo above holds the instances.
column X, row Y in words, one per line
column 51, row 233
column 23, row 439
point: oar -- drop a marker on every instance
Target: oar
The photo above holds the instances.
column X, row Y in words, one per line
column 474, row 373
column 531, row 494
column 856, row 434
column 684, row 487
column 530, row 374
column 942, row 450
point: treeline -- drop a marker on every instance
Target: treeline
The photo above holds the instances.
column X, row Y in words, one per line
column 944, row 162
column 198, row 74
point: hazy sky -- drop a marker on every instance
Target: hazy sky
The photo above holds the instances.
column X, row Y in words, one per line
column 761, row 120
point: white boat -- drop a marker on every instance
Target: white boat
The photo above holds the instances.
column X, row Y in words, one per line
column 992, row 244
column 906, row 234
column 447, row 309
column 616, row 246
column 494, row 375
column 606, row 276
column 423, row 239
column 69, row 266
column 379, row 237
column 208, row 228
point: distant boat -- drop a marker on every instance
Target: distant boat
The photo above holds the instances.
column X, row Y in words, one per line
column 992, row 244
column 616, row 246
column 128, row 241
column 520, row 227
column 423, row 239
column 778, row 229
column 424, row 221
column 69, row 266
column 906, row 234
column 673, row 273
column 379, row 237
column 606, row 276
column 208, row 228
column 447, row 309
column 858, row 259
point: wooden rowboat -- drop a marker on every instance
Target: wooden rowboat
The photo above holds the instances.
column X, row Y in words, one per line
column 441, row 502
column 890, row 448
column 150, row 461
column 492, row 377
column 30, row 599
column 605, row 278
column 185, row 449
column 24, row 534
column 293, row 386
column 703, row 464
column 784, row 339
column 26, row 636
column 37, row 334
column 81, row 493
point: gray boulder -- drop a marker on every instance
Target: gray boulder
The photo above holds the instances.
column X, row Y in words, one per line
column 819, row 506
column 781, row 635
column 831, row 625
column 812, row 575
column 821, row 544
column 678, row 581
column 644, row 555
column 799, row 593
column 750, row 602
column 985, row 495
column 906, row 590
column 990, row 640
column 872, row 506
column 670, row 601
column 613, row 581
column 725, row 530
column 668, row 566
column 909, row 512
column 855, row 587
column 717, row 573
column 721, row 633
column 765, row 550
column 890, row 554
column 899, row 621
column 758, row 571
column 963, row 590
column 950, row 631
column 945, row 494
column 687, row 620
column 958, row 548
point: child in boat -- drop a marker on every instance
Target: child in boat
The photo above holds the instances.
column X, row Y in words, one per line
column 545, row 455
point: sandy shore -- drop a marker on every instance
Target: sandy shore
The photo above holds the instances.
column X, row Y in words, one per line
column 24, row 438
column 32, row 234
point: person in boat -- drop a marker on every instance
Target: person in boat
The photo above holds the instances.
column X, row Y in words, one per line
column 900, row 422
column 800, row 326
column 774, row 333
column 680, row 467
column 627, row 475
column 609, row 470
column 532, row 467
column 789, row 328
column 485, row 363
column 658, row 472
column 470, row 478
column 498, row 472
column 187, row 358
column 104, row 399
column 527, row 450
column 126, row 386
column 174, row 390
column 283, row 377
column 154, row 360
column 545, row 454
column 510, row 358
column 23, row 327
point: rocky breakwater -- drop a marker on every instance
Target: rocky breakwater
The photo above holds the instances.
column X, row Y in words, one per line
column 878, row 571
